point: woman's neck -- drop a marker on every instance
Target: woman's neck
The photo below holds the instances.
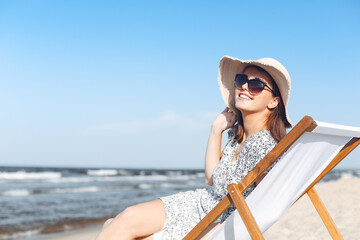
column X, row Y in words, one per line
column 253, row 123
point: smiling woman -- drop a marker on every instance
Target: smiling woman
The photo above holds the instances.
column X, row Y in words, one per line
column 248, row 82
column 256, row 94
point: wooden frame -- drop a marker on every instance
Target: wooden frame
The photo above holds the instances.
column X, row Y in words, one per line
column 306, row 124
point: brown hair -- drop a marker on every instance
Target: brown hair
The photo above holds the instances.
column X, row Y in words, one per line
column 276, row 121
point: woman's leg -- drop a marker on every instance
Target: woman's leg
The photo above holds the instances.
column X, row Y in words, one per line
column 137, row 221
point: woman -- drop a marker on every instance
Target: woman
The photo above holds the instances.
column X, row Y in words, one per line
column 256, row 93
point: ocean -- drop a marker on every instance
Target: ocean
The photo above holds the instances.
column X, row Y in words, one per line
column 41, row 200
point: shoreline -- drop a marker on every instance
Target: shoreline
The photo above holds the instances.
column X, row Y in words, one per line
column 89, row 232
column 56, row 231
column 301, row 221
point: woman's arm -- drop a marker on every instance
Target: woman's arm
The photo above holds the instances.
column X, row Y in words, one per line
column 224, row 121
column 213, row 153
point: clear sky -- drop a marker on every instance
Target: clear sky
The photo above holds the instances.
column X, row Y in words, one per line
column 134, row 83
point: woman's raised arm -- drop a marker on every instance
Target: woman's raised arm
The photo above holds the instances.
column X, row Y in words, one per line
column 225, row 120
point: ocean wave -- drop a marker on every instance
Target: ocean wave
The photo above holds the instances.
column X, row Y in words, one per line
column 87, row 189
column 16, row 193
column 99, row 178
column 347, row 175
column 92, row 189
column 74, row 180
column 113, row 178
column 20, row 234
column 145, row 186
column 174, row 185
column 78, row 190
column 102, row 172
column 24, row 192
column 86, row 179
column 200, row 174
column 145, row 177
column 101, row 189
column 22, row 175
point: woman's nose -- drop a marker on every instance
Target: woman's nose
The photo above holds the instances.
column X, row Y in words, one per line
column 245, row 86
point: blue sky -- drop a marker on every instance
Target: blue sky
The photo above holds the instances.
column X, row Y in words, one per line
column 134, row 83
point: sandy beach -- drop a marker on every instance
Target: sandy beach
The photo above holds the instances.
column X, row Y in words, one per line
column 301, row 221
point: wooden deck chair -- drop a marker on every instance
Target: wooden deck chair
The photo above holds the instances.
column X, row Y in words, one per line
column 308, row 152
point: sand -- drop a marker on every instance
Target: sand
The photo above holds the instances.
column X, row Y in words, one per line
column 87, row 233
column 301, row 221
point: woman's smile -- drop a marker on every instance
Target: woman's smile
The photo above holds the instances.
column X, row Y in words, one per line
column 244, row 96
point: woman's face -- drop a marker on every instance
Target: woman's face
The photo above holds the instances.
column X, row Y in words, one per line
column 261, row 103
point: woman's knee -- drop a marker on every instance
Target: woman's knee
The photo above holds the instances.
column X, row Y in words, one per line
column 128, row 216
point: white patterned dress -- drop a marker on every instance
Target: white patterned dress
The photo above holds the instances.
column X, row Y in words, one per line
column 185, row 209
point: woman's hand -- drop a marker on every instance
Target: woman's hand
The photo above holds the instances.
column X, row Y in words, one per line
column 226, row 119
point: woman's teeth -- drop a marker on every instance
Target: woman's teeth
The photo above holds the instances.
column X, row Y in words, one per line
column 245, row 97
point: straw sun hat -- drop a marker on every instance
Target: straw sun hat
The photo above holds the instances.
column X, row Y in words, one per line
column 230, row 66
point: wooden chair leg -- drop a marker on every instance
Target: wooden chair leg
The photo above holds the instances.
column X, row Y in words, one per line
column 324, row 214
column 245, row 212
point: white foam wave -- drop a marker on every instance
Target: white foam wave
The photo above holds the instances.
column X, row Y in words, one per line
column 347, row 175
column 21, row 235
column 22, row 175
column 16, row 192
column 72, row 180
column 167, row 185
column 123, row 178
column 173, row 173
column 109, row 179
column 77, row 190
column 183, row 177
column 145, row 186
column 200, row 174
column 123, row 172
column 102, row 175
column 102, row 172
column 144, row 178
column 24, row 192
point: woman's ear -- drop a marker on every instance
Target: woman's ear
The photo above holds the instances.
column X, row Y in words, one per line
column 274, row 102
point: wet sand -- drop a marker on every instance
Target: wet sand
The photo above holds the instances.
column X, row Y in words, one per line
column 89, row 233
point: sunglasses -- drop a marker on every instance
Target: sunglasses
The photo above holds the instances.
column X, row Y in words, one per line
column 255, row 86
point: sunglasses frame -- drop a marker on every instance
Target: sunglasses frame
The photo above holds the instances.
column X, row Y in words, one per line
column 254, row 79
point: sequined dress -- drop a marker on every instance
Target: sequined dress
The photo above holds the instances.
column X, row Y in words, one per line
column 185, row 209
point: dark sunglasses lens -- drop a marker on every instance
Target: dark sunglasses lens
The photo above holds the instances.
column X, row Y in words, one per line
column 240, row 80
column 256, row 86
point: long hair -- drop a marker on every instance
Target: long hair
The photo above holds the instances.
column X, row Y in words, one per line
column 276, row 120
